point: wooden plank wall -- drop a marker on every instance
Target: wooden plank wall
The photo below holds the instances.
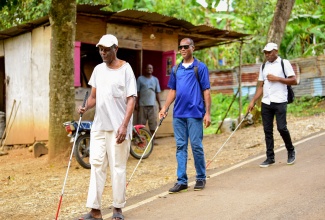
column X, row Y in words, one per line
column 90, row 29
column 312, row 76
column 159, row 39
column 129, row 37
column 19, row 87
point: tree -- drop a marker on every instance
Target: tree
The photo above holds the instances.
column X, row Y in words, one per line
column 280, row 19
column 62, row 92
column 15, row 12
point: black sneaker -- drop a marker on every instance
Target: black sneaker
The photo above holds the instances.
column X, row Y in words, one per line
column 267, row 163
column 199, row 185
column 291, row 157
column 178, row 188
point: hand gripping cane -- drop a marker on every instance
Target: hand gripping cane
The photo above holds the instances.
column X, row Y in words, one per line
column 161, row 120
column 74, row 143
column 227, row 140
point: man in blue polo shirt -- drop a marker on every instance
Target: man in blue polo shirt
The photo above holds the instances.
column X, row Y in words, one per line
column 190, row 89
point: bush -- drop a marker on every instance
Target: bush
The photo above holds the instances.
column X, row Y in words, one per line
column 219, row 107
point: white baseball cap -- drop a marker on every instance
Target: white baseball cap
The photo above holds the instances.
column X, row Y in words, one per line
column 270, row 47
column 107, row 40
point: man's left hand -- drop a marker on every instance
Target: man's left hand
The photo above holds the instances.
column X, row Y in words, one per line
column 272, row 78
column 121, row 134
column 207, row 121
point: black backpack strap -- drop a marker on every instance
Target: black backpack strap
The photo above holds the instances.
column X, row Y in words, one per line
column 282, row 64
column 175, row 68
column 196, row 70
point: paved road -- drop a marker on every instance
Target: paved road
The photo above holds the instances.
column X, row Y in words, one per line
column 246, row 191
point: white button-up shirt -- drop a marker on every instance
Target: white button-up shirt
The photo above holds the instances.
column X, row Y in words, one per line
column 275, row 91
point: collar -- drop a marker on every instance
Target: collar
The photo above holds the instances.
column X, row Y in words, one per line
column 195, row 62
column 277, row 60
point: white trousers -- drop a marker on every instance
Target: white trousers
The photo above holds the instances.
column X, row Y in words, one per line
column 105, row 152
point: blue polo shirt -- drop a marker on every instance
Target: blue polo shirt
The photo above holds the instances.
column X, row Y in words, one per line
column 189, row 99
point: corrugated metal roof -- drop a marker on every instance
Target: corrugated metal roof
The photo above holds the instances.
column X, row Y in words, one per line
column 204, row 36
column 14, row 31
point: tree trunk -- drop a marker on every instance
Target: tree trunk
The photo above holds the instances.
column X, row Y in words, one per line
column 62, row 92
column 281, row 16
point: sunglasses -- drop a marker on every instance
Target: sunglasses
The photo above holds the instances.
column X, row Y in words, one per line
column 180, row 47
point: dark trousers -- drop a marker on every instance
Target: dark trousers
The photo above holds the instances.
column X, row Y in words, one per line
column 279, row 110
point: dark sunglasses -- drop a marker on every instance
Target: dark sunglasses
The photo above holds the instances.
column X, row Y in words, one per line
column 180, row 47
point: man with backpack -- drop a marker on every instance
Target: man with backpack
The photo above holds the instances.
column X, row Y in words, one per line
column 274, row 77
column 190, row 89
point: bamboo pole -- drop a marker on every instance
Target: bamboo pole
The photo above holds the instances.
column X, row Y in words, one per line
column 7, row 124
column 239, row 81
column 10, row 125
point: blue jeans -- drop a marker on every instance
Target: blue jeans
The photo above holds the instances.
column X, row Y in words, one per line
column 185, row 129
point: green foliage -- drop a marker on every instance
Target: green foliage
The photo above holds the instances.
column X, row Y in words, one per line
column 15, row 12
column 307, row 106
column 304, row 35
column 188, row 10
column 219, row 107
column 18, row 12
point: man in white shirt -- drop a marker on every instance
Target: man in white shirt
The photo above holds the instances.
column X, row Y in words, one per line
column 113, row 93
column 272, row 84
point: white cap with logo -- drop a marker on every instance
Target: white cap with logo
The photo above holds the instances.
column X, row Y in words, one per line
column 107, row 40
column 270, row 47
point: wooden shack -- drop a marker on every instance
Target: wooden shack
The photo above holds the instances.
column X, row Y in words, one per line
column 144, row 38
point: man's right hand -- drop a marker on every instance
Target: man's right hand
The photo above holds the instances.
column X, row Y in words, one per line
column 81, row 110
column 163, row 113
column 251, row 106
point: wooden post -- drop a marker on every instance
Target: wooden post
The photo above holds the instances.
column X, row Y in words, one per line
column 239, row 81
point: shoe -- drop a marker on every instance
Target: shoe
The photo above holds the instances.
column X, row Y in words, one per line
column 267, row 163
column 291, row 157
column 199, row 185
column 178, row 188
column 89, row 216
column 118, row 215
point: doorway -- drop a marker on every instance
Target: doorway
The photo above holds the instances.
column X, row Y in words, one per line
column 90, row 58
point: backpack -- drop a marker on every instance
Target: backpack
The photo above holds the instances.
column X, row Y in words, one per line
column 196, row 69
column 291, row 94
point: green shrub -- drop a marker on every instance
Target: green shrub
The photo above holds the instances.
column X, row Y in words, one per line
column 307, row 106
column 219, row 107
